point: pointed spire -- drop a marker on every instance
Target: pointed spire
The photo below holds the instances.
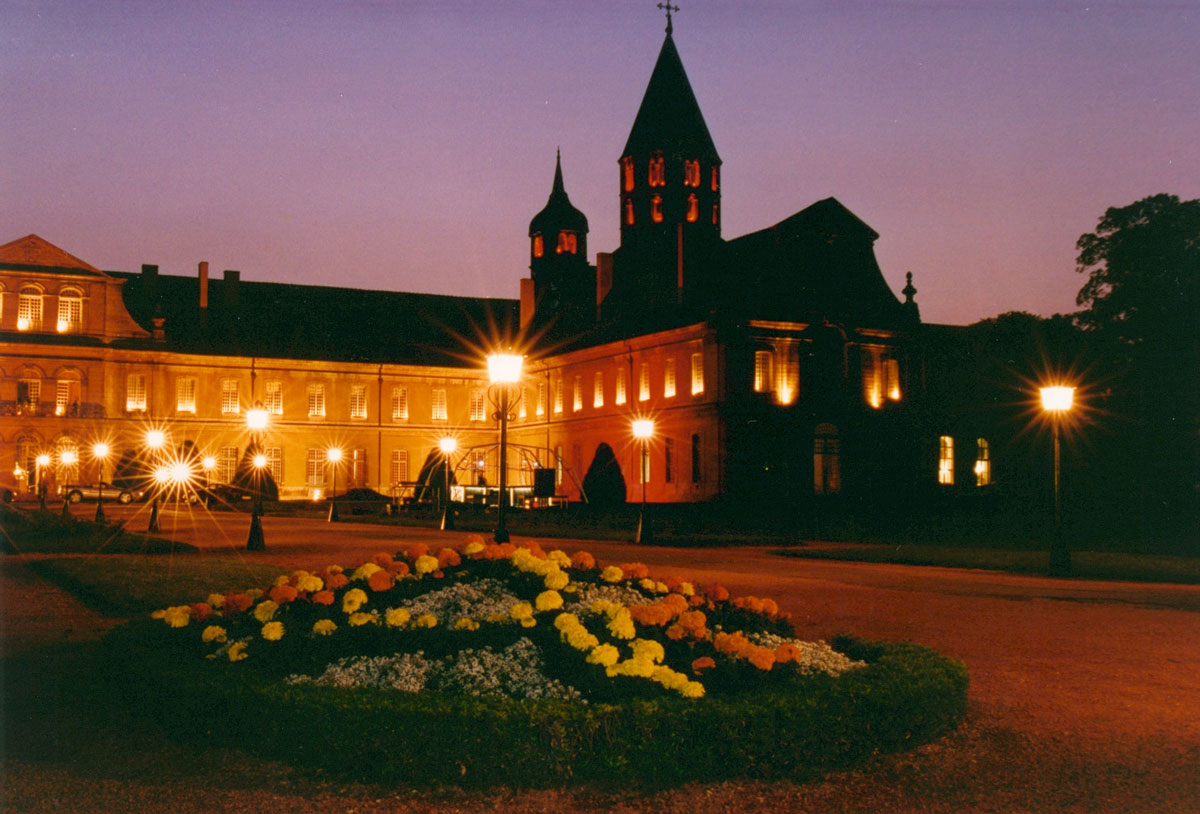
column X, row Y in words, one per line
column 669, row 118
column 558, row 213
column 558, row 188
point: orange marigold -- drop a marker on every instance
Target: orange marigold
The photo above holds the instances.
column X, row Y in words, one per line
column 398, row 568
column 770, row 607
column 335, row 581
column 282, row 594
column 717, row 592
column 676, row 632
column 237, row 602
column 635, row 570
column 703, row 663
column 448, row 558
column 417, row 550
column 584, row 560
column 382, row 559
column 763, row 658
column 380, row 581
column 201, row 611
column 323, row 597
column 787, row 652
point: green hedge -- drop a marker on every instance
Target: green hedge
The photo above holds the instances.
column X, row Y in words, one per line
column 907, row 695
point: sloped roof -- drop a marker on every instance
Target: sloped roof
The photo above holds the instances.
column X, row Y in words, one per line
column 669, row 118
column 558, row 213
column 33, row 253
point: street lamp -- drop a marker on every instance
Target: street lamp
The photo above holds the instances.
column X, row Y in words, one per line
column 333, row 455
column 447, row 445
column 155, row 441
column 643, row 430
column 256, row 422
column 1057, row 401
column 504, row 370
column 100, row 453
column 42, row 461
column 67, row 458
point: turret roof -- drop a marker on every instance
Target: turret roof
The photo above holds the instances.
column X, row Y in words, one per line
column 669, row 118
column 558, row 213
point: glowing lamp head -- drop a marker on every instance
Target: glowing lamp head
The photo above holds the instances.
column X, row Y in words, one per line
column 209, row 463
column 180, row 472
column 260, row 461
column 448, row 445
column 256, row 417
column 643, row 428
column 505, row 368
column 22, row 324
column 43, row 460
column 155, row 439
column 162, row 475
column 68, row 457
column 100, row 450
column 1057, row 399
column 333, row 455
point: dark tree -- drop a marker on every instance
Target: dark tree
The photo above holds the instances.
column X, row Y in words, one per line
column 604, row 484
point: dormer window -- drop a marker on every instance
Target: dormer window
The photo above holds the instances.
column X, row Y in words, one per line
column 629, row 211
column 70, row 310
column 691, row 173
column 567, row 243
column 539, row 246
column 693, row 208
column 29, row 309
column 627, row 173
column 656, row 214
column 658, row 173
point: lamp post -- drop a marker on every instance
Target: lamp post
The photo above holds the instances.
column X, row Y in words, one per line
column 67, row 459
column 333, row 455
column 447, row 445
column 100, row 454
column 643, row 430
column 1057, row 401
column 504, row 370
column 155, row 441
column 256, row 422
column 42, row 461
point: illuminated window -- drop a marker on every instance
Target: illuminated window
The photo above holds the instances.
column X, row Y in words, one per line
column 438, row 410
column 695, row 459
column 478, row 407
column 567, row 243
column 691, row 173
column 558, row 393
column 668, row 455
column 275, row 463
column 227, row 461
column 693, row 209
column 697, row 373
column 872, row 385
column 619, row 398
column 644, row 382
column 522, row 403
column 627, row 173
column 598, row 389
column 358, row 468
column 29, row 392
column 716, row 178
column 657, row 170
column 656, row 214
column 577, row 395
column 762, row 371
column 946, row 460
column 983, row 463
column 629, row 212
column 185, row 394
column 669, row 379
column 716, row 215
column 541, row 398
column 316, row 400
column 399, row 404
column 273, row 398
column 229, row 397
column 827, row 460
column 891, row 378
column 539, row 246
column 314, row 467
column 358, row 401
column 70, row 310
column 29, row 309
column 135, row 392
column 66, row 396
column 399, row 466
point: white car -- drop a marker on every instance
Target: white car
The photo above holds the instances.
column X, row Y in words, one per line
column 78, row 492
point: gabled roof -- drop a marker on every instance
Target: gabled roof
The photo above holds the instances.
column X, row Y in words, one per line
column 33, row 253
column 669, row 118
column 558, row 213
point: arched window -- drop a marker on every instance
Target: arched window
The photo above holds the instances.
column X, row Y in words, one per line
column 657, row 173
column 983, row 463
column 29, row 309
column 539, row 246
column 70, row 311
column 693, row 209
column 629, row 211
column 27, row 450
column 946, row 460
column 656, row 214
column 716, row 214
column 627, row 173
column 691, row 173
column 827, row 460
column 567, row 243
column 716, row 178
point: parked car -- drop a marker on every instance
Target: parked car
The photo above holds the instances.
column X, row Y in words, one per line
column 78, row 492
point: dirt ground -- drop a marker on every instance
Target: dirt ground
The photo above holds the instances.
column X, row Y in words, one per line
column 1085, row 696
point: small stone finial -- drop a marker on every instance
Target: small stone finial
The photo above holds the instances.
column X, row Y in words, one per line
column 908, row 291
column 668, row 8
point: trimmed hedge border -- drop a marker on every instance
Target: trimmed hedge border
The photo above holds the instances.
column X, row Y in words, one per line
column 907, row 695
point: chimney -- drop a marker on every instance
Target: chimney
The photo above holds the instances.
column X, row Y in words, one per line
column 527, row 301
column 150, row 284
column 203, row 285
column 231, row 288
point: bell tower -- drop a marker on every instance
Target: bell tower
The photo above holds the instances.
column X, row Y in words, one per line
column 562, row 279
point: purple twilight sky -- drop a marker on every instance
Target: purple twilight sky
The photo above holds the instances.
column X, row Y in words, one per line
column 406, row 145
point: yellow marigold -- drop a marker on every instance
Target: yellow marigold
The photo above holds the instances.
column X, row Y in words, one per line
column 397, row 617
column 612, row 574
column 692, row 689
column 531, row 622
column 556, row 580
column 253, row 593
column 216, row 600
column 272, row 631
column 580, row 639
column 324, row 627
column 265, row 610
column 466, row 623
column 426, row 620
column 237, row 651
column 621, row 625
column 365, row 570
column 213, row 633
column 282, row 579
column 559, row 558
column 354, row 599
column 310, row 583
column 548, row 601
column 646, row 584
column 360, row 619
column 687, row 589
column 648, row 649
column 426, row 564
column 605, row 655
column 521, row 610
column 177, row 616
column 498, row 617
column 669, row 678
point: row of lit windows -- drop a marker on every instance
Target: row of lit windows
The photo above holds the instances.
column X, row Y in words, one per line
column 880, row 375
column 568, row 243
column 620, row 390
column 30, row 309
column 66, row 394
column 656, row 173
column 691, row 215
column 983, row 462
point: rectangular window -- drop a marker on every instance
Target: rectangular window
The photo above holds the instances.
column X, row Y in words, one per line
column 872, row 383
column 273, row 398
column 598, row 389
column 135, row 392
column 983, row 463
column 314, row 467
column 762, row 371
column 695, row 459
column 29, row 392
column 668, row 455
column 523, row 404
column 229, row 397
column 619, row 398
column 70, row 313
column 541, row 398
column 66, row 393
column 400, row 404
column 691, row 173
column 657, row 174
column 478, row 405
column 669, row 379
column 891, row 370
column 358, row 468
column 577, row 395
column 697, row 374
column 558, row 393
column 275, row 463
column 29, row 310
column 627, row 172
column 644, row 382
column 399, row 465
column 946, row 460
column 316, row 400
column 438, row 411
column 358, row 401
column 227, row 462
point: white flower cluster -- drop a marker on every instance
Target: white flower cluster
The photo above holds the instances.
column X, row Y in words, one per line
column 515, row 672
column 620, row 594
column 816, row 657
column 475, row 600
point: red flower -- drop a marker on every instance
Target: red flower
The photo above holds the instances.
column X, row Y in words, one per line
column 201, row 611
column 237, row 603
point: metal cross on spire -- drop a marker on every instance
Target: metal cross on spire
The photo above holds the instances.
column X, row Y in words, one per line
column 669, row 8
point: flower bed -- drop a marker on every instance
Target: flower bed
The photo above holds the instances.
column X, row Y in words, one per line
column 496, row 664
